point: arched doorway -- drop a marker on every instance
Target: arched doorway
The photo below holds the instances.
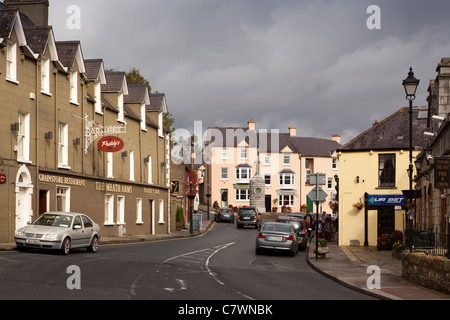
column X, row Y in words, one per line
column 24, row 192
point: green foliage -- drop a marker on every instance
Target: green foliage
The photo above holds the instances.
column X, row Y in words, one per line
column 179, row 214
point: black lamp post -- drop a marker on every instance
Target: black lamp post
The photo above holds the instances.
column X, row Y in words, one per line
column 410, row 84
column 447, row 216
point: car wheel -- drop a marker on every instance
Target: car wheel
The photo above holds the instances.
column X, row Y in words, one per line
column 93, row 247
column 65, row 248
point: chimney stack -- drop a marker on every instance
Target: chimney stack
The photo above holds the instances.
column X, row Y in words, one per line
column 251, row 125
column 36, row 10
column 336, row 137
column 292, row 131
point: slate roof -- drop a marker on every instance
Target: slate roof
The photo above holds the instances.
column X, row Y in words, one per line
column 114, row 81
column 136, row 93
column 391, row 134
column 306, row 146
column 157, row 102
column 67, row 51
column 92, row 67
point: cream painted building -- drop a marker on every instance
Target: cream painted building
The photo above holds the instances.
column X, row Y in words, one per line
column 373, row 171
column 284, row 160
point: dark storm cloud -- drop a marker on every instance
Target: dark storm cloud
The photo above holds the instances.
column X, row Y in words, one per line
column 312, row 64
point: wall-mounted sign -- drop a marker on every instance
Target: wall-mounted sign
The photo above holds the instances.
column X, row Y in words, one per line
column 386, row 200
column 110, row 144
column 94, row 129
column 441, row 173
column 2, row 178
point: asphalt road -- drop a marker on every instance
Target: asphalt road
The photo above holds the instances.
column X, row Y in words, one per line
column 219, row 265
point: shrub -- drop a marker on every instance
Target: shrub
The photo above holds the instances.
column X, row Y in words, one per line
column 179, row 214
column 386, row 241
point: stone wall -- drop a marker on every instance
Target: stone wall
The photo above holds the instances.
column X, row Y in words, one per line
column 426, row 270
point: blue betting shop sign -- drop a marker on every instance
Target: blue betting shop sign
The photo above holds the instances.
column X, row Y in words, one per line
column 386, row 200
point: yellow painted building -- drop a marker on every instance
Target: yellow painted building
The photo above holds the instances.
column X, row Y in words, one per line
column 372, row 174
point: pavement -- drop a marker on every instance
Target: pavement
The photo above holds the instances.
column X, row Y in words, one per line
column 347, row 265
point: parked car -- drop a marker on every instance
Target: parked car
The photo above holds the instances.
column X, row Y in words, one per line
column 277, row 236
column 303, row 233
column 248, row 216
column 61, row 231
column 224, row 214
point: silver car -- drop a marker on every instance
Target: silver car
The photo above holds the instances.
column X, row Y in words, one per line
column 61, row 231
column 276, row 236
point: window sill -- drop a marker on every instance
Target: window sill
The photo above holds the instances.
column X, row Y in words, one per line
column 46, row 93
column 12, row 80
column 64, row 166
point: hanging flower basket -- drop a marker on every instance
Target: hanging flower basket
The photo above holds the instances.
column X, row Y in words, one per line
column 358, row 205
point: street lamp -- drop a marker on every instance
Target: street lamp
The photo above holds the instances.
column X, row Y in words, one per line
column 409, row 224
column 410, row 84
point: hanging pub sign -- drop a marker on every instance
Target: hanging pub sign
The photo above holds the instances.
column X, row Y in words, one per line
column 441, row 173
column 110, row 144
column 2, row 178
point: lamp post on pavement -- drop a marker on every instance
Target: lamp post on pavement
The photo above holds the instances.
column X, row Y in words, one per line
column 410, row 85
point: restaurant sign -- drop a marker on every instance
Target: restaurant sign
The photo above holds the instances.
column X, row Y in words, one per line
column 110, row 144
column 441, row 173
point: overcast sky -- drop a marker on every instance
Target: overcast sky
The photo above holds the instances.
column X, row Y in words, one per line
column 312, row 64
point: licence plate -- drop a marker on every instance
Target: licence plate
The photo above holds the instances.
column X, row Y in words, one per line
column 246, row 218
column 31, row 241
column 274, row 238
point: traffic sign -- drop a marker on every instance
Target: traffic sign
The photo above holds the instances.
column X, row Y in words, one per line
column 317, row 194
column 317, row 179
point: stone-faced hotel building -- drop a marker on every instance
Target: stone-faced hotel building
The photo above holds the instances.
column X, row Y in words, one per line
column 55, row 108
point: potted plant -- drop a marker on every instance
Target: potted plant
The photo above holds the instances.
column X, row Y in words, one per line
column 397, row 249
column 322, row 246
column 358, row 205
column 275, row 208
column 303, row 208
column 286, row 209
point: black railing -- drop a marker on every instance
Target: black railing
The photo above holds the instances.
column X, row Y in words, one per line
column 428, row 241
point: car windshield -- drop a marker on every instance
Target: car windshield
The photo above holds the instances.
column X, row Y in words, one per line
column 55, row 220
column 277, row 227
column 226, row 211
column 295, row 224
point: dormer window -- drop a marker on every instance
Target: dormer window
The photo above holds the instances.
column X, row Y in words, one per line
column 11, row 61
column 143, row 117
column 160, row 124
column 74, row 87
column 45, row 75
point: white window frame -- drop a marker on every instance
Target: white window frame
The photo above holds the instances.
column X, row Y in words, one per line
column 308, row 173
column 224, row 153
column 334, row 164
column 143, row 122
column 243, row 154
column 64, row 197
column 109, row 209
column 11, row 61
column 23, row 138
column 149, row 170
column 267, row 159
column 63, row 145
column 73, row 87
column 160, row 125
column 139, row 211
column 286, row 159
column 242, row 194
column 109, row 165
column 330, row 183
column 120, row 210
column 223, row 173
column 120, row 116
column 286, row 200
column 287, row 180
column 161, row 212
column 45, row 76
column 131, row 165
column 243, row 171
column 98, row 97
column 267, row 176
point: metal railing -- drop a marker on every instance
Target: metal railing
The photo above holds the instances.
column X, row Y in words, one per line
column 427, row 241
